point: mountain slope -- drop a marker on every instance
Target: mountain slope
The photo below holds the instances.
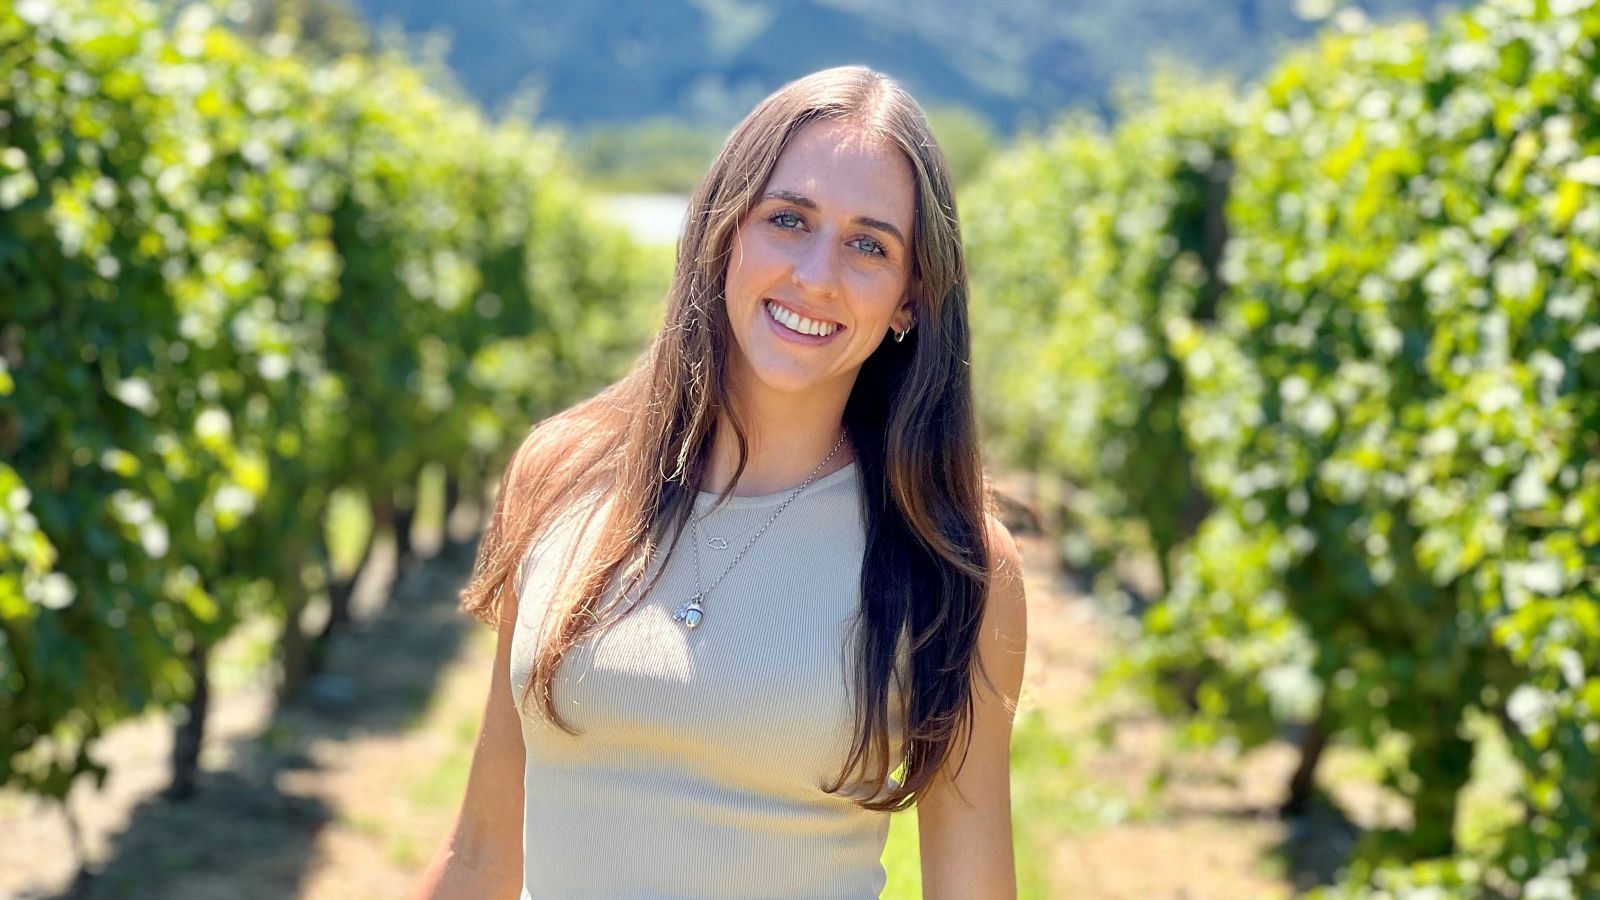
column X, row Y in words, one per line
column 710, row 60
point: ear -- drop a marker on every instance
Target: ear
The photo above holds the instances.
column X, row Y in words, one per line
column 905, row 315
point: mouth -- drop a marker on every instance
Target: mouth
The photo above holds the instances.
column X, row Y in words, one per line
column 797, row 326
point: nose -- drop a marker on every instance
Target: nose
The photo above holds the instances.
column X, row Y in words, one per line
column 814, row 267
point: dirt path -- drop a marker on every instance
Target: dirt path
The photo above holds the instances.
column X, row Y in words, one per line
column 1210, row 832
column 347, row 792
column 342, row 794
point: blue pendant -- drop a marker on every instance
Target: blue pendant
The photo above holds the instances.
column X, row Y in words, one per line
column 690, row 613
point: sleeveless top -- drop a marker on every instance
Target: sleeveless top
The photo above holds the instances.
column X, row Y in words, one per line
column 699, row 766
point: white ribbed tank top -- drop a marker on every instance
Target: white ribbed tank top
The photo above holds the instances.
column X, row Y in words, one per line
column 701, row 756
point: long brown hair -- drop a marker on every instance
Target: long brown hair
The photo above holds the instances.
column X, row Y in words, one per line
column 645, row 441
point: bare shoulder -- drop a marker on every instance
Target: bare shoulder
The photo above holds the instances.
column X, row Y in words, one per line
column 1005, row 558
column 1007, row 608
column 1004, row 638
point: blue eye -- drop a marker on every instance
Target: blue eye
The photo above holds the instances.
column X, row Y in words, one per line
column 877, row 248
column 789, row 221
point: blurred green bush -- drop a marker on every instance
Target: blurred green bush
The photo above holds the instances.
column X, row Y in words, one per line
column 1381, row 392
column 232, row 282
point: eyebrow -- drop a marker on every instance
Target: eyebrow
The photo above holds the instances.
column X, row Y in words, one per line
column 808, row 203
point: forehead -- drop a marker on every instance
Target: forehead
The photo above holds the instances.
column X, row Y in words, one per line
column 847, row 171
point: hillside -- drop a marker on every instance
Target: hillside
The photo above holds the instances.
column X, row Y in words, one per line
column 708, row 61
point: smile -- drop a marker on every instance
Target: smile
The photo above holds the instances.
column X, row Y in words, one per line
column 798, row 324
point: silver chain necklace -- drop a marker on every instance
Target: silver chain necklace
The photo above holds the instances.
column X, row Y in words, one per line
column 692, row 611
column 721, row 543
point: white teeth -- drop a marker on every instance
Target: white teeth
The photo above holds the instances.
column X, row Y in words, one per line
column 797, row 322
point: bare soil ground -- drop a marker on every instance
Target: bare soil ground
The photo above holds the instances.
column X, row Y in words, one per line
column 347, row 792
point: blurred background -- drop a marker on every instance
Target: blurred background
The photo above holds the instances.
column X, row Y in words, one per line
column 1287, row 347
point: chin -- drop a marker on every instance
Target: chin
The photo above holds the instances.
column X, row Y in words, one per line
column 790, row 379
column 789, row 382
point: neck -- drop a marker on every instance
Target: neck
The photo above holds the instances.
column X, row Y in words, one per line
column 788, row 438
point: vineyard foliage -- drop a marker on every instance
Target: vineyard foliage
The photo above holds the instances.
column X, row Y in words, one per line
column 1328, row 350
column 231, row 283
column 1081, row 256
column 1391, row 410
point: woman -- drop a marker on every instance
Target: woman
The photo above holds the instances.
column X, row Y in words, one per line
column 751, row 597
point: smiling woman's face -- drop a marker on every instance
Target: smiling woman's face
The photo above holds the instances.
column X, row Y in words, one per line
column 820, row 266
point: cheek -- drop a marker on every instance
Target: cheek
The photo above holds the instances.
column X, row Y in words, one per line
column 749, row 262
column 880, row 286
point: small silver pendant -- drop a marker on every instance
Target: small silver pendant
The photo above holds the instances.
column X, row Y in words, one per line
column 690, row 613
column 717, row 544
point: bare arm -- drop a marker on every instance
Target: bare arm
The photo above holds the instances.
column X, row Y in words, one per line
column 966, row 839
column 481, row 857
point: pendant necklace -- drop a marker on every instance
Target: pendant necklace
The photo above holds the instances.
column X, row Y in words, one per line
column 721, row 543
column 692, row 611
